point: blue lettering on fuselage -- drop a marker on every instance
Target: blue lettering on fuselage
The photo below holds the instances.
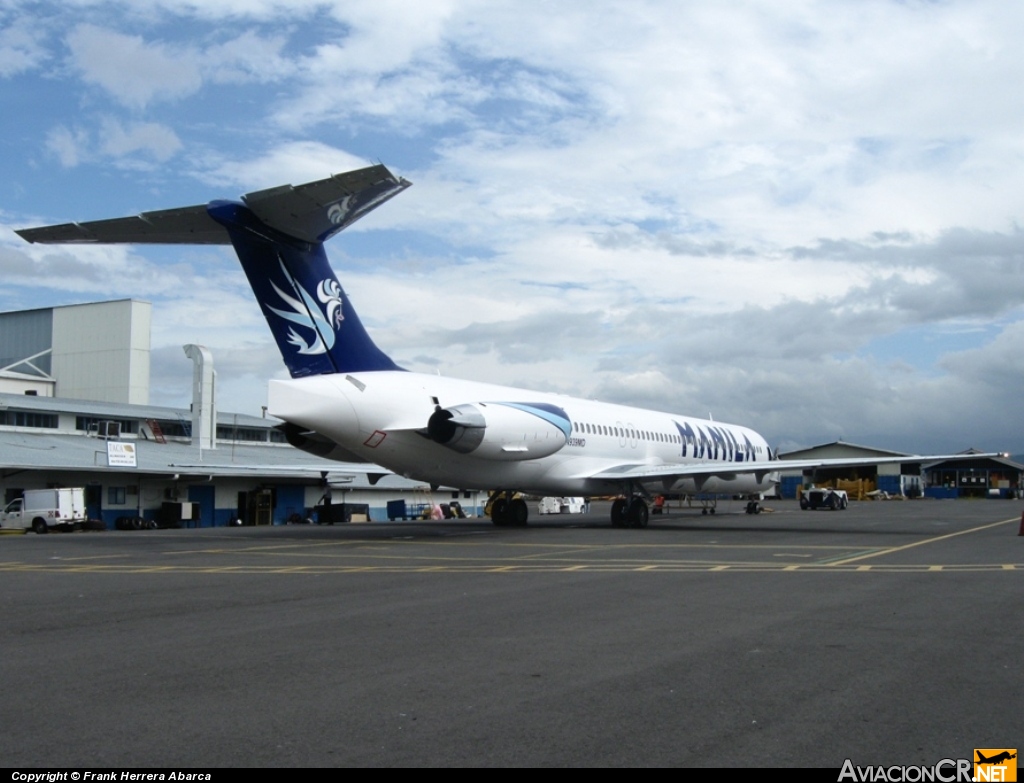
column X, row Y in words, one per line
column 716, row 442
column 685, row 435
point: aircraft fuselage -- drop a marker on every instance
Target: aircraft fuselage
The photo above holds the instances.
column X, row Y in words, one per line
column 471, row 435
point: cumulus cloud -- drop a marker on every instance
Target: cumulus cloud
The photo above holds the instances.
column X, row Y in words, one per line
column 125, row 144
column 290, row 162
column 21, row 47
column 69, row 146
column 157, row 141
column 132, row 70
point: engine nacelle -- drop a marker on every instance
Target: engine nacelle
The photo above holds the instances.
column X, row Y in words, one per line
column 506, row 431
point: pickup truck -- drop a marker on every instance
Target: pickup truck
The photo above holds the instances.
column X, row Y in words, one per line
column 41, row 509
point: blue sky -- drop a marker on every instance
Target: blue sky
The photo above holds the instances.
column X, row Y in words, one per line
column 806, row 221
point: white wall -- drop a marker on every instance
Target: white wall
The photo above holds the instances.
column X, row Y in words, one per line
column 101, row 351
column 12, row 383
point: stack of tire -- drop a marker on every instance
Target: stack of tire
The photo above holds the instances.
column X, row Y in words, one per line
column 135, row 523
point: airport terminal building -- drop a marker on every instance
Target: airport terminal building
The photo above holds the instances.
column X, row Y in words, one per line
column 74, row 411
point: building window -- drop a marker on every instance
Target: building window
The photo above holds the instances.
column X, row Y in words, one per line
column 92, row 424
column 29, row 419
column 115, row 496
column 246, row 434
column 175, row 429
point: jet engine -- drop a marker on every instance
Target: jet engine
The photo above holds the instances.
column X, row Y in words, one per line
column 506, row 431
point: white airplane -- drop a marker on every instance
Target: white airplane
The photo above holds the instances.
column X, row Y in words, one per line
column 349, row 401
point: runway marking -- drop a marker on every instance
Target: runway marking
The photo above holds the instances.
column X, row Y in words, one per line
column 392, row 555
column 533, row 568
column 931, row 540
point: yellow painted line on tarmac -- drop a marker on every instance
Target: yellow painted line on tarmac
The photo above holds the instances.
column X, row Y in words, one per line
column 93, row 557
column 535, row 568
column 262, row 548
column 923, row 541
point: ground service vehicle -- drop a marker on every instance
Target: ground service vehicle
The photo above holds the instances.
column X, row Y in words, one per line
column 41, row 509
column 824, row 497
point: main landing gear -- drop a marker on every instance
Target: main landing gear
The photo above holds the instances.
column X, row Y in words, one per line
column 753, row 507
column 508, row 510
column 630, row 512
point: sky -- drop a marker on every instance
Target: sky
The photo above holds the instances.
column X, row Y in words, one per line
column 804, row 219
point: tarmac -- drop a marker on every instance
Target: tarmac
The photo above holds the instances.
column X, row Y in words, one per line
column 885, row 634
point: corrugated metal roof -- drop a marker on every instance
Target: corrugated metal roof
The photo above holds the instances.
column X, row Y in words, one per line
column 120, row 410
column 868, row 451
column 31, row 451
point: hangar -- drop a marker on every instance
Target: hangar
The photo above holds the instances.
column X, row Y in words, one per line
column 984, row 477
column 902, row 478
column 74, row 411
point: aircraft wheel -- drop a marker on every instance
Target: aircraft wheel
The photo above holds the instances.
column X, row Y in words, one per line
column 712, row 510
column 518, row 513
column 638, row 513
column 843, row 504
column 703, row 512
column 619, row 512
column 804, row 505
column 499, row 512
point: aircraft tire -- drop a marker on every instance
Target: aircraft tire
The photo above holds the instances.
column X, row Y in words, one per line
column 843, row 504
column 619, row 512
column 499, row 512
column 518, row 513
column 638, row 513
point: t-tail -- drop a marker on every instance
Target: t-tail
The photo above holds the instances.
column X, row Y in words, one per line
column 279, row 237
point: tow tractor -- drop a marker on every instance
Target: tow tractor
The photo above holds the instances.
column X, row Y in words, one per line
column 824, row 497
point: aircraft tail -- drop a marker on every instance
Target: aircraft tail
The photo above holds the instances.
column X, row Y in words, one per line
column 278, row 235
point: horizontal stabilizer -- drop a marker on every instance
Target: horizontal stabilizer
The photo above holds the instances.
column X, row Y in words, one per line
column 313, row 212
column 185, row 225
column 316, row 211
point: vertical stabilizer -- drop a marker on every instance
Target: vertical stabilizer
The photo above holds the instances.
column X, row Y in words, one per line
column 308, row 312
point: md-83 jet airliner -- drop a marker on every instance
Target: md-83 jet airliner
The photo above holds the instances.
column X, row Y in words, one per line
column 346, row 399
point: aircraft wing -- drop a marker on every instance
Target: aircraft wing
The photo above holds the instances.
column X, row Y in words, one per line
column 729, row 470
column 312, row 212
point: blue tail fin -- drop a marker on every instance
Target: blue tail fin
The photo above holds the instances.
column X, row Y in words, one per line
column 278, row 235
